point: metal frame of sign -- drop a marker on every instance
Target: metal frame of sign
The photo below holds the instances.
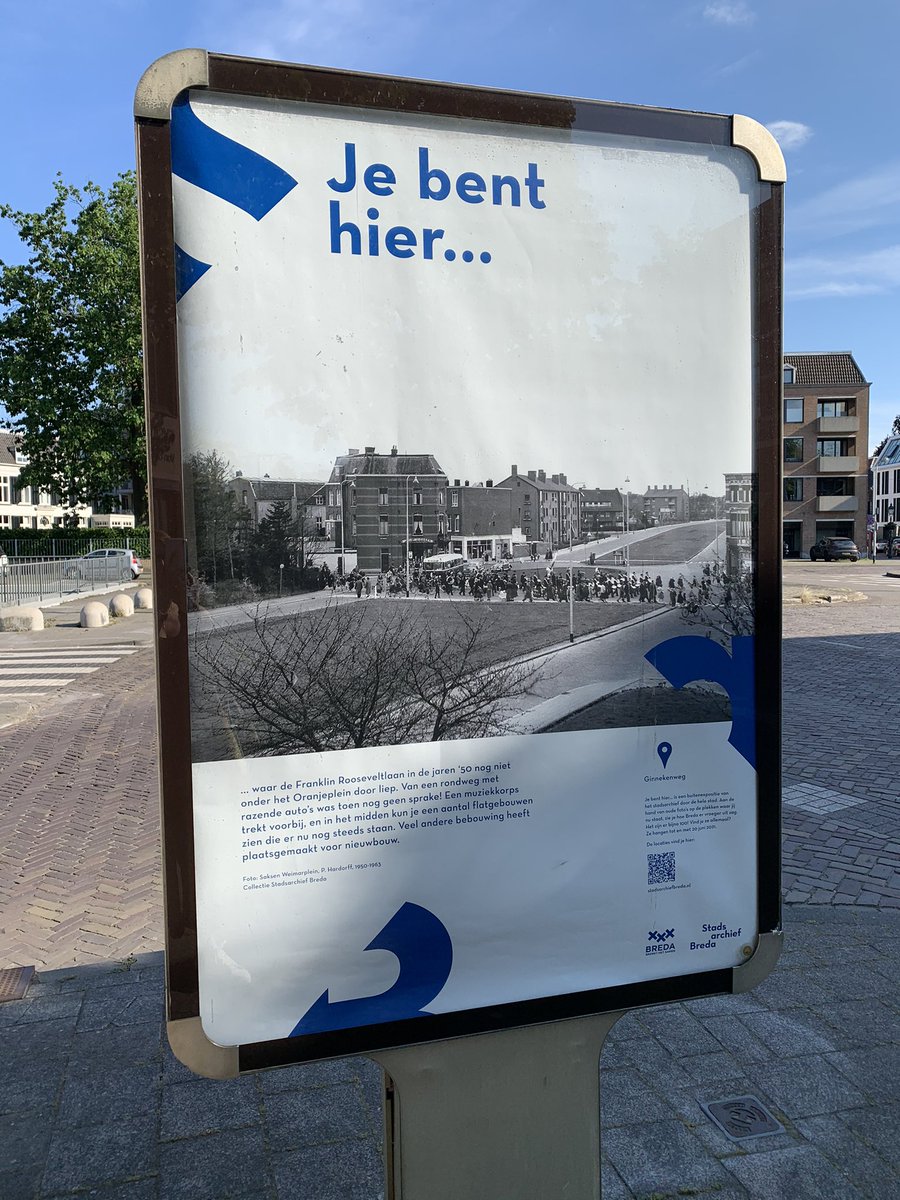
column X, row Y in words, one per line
column 162, row 83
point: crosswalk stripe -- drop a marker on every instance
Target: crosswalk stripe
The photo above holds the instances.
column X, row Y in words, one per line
column 37, row 671
column 6, row 660
column 6, row 684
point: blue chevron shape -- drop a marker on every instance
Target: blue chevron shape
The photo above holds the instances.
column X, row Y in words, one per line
column 223, row 167
column 187, row 271
column 422, row 944
column 691, row 659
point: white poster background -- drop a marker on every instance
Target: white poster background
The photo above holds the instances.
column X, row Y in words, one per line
column 609, row 334
column 555, row 902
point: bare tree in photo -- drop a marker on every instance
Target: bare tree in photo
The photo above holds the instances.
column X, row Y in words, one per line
column 339, row 677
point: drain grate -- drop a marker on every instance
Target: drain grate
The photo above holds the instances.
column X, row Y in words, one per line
column 742, row 1117
column 14, row 982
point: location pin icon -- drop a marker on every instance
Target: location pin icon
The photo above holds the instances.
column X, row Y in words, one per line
column 664, row 750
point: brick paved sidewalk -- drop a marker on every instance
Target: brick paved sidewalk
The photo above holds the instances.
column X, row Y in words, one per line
column 112, row 1114
column 108, row 1112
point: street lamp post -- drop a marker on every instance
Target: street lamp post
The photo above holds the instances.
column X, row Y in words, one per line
column 340, row 561
column 626, row 518
column 415, row 480
column 571, row 592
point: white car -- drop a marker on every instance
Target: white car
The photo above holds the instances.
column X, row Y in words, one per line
column 104, row 564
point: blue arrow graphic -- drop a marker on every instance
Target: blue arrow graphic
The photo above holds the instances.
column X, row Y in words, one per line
column 423, row 947
column 219, row 165
column 187, row 271
column 690, row 659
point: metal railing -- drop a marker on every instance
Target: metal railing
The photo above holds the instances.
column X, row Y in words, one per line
column 36, row 580
column 72, row 547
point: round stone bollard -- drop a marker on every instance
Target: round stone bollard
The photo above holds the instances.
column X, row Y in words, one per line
column 93, row 615
column 121, row 605
column 21, row 620
column 143, row 598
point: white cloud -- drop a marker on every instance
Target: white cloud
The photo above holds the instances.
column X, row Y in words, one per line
column 729, row 12
column 863, row 203
column 790, row 135
column 821, row 277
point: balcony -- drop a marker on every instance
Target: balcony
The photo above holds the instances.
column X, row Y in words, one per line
column 838, row 464
column 838, row 424
column 837, row 504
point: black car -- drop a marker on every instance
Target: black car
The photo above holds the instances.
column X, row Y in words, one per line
column 833, row 548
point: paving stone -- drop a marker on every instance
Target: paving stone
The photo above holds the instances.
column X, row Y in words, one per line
column 24, row 1138
column 793, row 1033
column 796, row 1172
column 104, row 1095
column 315, row 1115
column 806, row 1087
column 349, row 1170
column 663, row 1156
column 319, row 1074
column 88, row 1156
column 679, row 1031
column 21, row 1183
column 866, row 1169
column 874, row 1069
column 231, row 1165
column 207, row 1105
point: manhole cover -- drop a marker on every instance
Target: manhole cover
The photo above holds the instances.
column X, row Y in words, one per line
column 14, row 982
column 742, row 1117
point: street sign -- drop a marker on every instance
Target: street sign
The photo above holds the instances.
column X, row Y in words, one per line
column 397, row 807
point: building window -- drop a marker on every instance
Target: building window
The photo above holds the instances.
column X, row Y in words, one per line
column 841, row 486
column 789, row 375
column 440, row 499
column 353, row 526
column 382, row 495
column 417, row 496
column 383, row 526
column 454, row 499
column 442, row 523
column 353, row 497
column 417, row 524
column 833, row 447
column 4, row 489
column 793, row 489
column 456, row 524
column 793, row 450
column 793, row 410
column 896, row 481
column 834, row 408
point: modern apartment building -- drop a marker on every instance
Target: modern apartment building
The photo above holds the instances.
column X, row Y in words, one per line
column 886, row 487
column 825, row 450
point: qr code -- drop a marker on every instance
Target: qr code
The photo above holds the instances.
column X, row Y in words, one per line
column 661, row 868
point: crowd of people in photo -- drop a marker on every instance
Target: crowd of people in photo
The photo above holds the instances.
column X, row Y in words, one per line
column 491, row 582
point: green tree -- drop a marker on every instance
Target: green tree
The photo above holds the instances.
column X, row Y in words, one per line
column 71, row 375
column 217, row 520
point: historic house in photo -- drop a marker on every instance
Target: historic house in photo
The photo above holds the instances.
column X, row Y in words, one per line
column 305, row 499
column 480, row 520
column 387, row 507
column 602, row 511
column 548, row 511
column 665, row 505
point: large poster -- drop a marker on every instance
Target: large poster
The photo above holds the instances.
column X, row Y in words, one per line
column 467, row 434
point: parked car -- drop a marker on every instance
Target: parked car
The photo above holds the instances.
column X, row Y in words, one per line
column 833, row 548
column 881, row 547
column 103, row 564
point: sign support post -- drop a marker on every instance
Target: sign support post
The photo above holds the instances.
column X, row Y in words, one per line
column 497, row 1116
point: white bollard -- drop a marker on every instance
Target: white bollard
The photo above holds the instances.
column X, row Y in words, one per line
column 21, row 620
column 143, row 598
column 121, row 605
column 94, row 615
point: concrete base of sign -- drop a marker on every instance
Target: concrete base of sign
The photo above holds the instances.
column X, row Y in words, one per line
column 501, row 1115
column 21, row 620
column 93, row 615
column 143, row 598
column 121, row 605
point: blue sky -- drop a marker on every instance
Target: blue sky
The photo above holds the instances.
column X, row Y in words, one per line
column 820, row 73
